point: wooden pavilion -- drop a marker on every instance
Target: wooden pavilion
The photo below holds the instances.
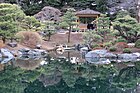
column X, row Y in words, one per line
column 87, row 19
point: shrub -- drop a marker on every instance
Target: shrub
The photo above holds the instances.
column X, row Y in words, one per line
column 107, row 44
column 112, row 49
column 137, row 44
column 95, row 46
column 30, row 39
column 121, row 40
column 121, row 45
column 75, row 29
column 127, row 50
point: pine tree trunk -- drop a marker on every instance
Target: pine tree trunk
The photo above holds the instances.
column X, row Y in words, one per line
column 69, row 34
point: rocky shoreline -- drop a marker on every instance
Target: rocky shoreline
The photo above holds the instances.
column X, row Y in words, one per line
column 99, row 56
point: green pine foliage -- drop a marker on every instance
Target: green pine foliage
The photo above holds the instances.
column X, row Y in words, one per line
column 68, row 21
column 103, row 27
column 13, row 20
column 49, row 29
column 10, row 17
column 127, row 27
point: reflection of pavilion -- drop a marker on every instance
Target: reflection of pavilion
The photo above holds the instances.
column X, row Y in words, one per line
column 87, row 17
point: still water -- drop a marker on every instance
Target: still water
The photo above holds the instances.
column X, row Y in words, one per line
column 58, row 74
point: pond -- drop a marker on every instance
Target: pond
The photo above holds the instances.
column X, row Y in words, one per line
column 57, row 73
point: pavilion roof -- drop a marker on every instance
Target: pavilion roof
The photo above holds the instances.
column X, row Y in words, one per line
column 88, row 11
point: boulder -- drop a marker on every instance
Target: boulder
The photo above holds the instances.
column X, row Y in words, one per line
column 100, row 52
column 6, row 53
column 137, row 54
column 110, row 55
column 12, row 44
column 48, row 13
column 92, row 54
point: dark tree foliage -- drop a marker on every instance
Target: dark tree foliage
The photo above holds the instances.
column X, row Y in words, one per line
column 31, row 7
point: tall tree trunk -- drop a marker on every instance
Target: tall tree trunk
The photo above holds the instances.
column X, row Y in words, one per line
column 69, row 34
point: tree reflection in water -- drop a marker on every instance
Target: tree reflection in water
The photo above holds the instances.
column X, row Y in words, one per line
column 61, row 76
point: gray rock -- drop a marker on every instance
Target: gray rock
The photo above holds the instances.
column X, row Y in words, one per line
column 48, row 13
column 92, row 54
column 6, row 53
column 12, row 44
column 137, row 54
column 110, row 55
column 24, row 50
column 101, row 52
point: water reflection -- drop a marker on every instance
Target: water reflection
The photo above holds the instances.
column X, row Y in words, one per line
column 29, row 64
column 56, row 74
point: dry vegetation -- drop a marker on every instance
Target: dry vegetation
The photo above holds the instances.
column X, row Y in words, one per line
column 29, row 39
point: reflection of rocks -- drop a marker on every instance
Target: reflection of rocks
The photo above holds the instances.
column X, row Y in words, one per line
column 29, row 64
column 127, row 57
column 6, row 53
column 51, row 79
column 98, row 60
column 5, row 56
column 32, row 52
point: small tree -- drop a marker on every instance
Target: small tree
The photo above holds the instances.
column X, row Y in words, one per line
column 103, row 27
column 69, row 19
column 91, row 38
column 30, row 23
column 49, row 29
column 10, row 17
column 128, row 28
